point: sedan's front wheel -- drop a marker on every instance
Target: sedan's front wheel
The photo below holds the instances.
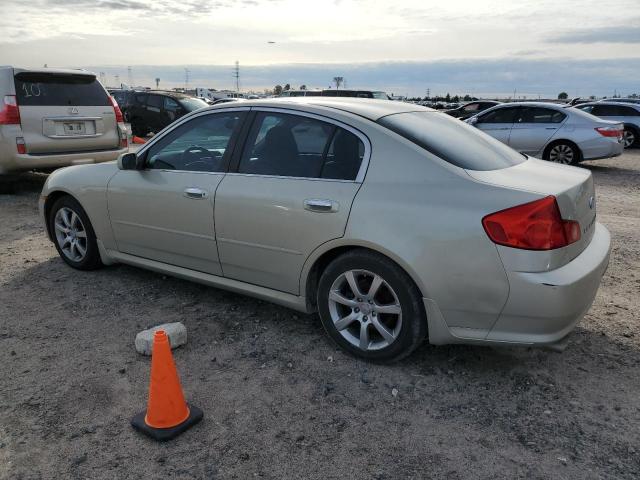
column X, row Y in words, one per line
column 370, row 307
column 73, row 234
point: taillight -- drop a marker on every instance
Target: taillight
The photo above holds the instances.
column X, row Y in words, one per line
column 116, row 109
column 9, row 114
column 532, row 226
column 21, row 147
column 610, row 131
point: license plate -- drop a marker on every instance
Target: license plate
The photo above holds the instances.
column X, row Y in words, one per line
column 74, row 128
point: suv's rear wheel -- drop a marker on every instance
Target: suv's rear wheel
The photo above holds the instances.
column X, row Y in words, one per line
column 73, row 234
column 370, row 307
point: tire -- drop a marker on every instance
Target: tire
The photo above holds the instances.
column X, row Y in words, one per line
column 630, row 137
column 138, row 129
column 562, row 152
column 387, row 335
column 72, row 233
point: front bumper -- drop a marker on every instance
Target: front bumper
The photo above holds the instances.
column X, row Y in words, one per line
column 544, row 307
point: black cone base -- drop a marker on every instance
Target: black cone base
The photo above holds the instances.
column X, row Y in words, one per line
column 164, row 434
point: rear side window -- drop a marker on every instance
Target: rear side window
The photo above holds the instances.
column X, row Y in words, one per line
column 452, row 140
column 154, row 103
column 49, row 89
column 288, row 145
column 540, row 115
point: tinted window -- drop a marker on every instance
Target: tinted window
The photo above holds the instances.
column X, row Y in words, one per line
column 140, row 98
column 57, row 89
column 500, row 115
column 540, row 115
column 192, row 104
column 614, row 111
column 154, row 103
column 471, row 107
column 296, row 146
column 452, row 140
column 199, row 145
column 586, row 108
column 171, row 104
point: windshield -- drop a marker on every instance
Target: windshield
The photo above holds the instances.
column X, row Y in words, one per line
column 380, row 95
column 191, row 104
column 452, row 140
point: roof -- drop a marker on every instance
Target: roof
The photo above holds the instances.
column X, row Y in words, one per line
column 364, row 107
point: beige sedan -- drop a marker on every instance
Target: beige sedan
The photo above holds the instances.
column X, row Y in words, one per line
column 395, row 222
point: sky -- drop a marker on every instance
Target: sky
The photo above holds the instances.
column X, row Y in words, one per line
column 535, row 47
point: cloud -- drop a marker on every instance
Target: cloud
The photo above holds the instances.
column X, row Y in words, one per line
column 619, row 34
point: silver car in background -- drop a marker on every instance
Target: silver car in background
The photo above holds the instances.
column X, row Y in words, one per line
column 52, row 118
column 395, row 222
column 626, row 113
column 550, row 131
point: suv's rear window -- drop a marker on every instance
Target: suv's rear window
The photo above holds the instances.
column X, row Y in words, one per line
column 59, row 89
column 452, row 140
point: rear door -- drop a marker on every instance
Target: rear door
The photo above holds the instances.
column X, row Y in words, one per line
column 534, row 127
column 292, row 191
column 498, row 122
column 65, row 112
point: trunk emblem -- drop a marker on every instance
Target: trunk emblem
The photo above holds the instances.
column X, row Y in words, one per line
column 591, row 202
column 73, row 110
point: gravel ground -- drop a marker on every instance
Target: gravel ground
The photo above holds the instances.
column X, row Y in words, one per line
column 280, row 401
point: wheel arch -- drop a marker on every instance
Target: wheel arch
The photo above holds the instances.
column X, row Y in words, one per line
column 556, row 141
column 52, row 198
column 326, row 253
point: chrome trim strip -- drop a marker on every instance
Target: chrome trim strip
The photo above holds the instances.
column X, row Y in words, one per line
column 259, row 245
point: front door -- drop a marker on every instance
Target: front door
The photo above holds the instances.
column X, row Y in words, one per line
column 292, row 191
column 498, row 123
column 533, row 128
column 165, row 212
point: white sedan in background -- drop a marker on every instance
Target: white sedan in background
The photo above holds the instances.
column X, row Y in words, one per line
column 558, row 133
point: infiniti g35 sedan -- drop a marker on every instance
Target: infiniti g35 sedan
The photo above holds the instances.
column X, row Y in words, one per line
column 393, row 221
column 550, row 131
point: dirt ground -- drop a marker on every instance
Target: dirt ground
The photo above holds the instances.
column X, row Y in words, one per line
column 280, row 402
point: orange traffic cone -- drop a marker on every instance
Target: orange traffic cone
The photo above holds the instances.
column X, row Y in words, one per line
column 138, row 140
column 167, row 414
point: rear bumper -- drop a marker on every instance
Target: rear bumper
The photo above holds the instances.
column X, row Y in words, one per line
column 600, row 148
column 14, row 162
column 544, row 307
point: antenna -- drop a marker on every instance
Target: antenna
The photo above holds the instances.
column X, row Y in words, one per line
column 236, row 75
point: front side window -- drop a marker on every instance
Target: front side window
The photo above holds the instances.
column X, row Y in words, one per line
column 587, row 108
column 500, row 115
column 471, row 107
column 199, row 145
column 288, row 145
column 540, row 115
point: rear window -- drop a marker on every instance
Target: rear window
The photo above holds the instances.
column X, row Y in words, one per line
column 452, row 140
column 48, row 89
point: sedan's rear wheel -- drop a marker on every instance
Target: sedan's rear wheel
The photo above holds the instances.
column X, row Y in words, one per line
column 563, row 153
column 73, row 234
column 370, row 307
column 629, row 137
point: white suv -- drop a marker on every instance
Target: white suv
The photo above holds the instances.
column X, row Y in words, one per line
column 52, row 118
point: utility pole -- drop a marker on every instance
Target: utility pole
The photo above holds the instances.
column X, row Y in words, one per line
column 236, row 75
column 130, row 76
column 428, row 93
column 186, row 79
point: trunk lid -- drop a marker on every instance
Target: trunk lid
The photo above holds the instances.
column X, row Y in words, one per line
column 64, row 112
column 573, row 188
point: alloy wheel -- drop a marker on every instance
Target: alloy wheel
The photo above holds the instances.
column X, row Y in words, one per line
column 365, row 310
column 71, row 234
column 629, row 138
column 561, row 153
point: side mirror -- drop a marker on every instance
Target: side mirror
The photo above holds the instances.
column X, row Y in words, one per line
column 128, row 161
column 472, row 120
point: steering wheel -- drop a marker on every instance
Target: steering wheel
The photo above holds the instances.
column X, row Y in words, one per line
column 207, row 162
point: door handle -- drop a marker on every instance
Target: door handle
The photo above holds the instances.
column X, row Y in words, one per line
column 320, row 205
column 195, row 193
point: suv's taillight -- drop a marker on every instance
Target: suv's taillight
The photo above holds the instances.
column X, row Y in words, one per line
column 9, row 113
column 116, row 109
column 611, row 131
column 532, row 226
